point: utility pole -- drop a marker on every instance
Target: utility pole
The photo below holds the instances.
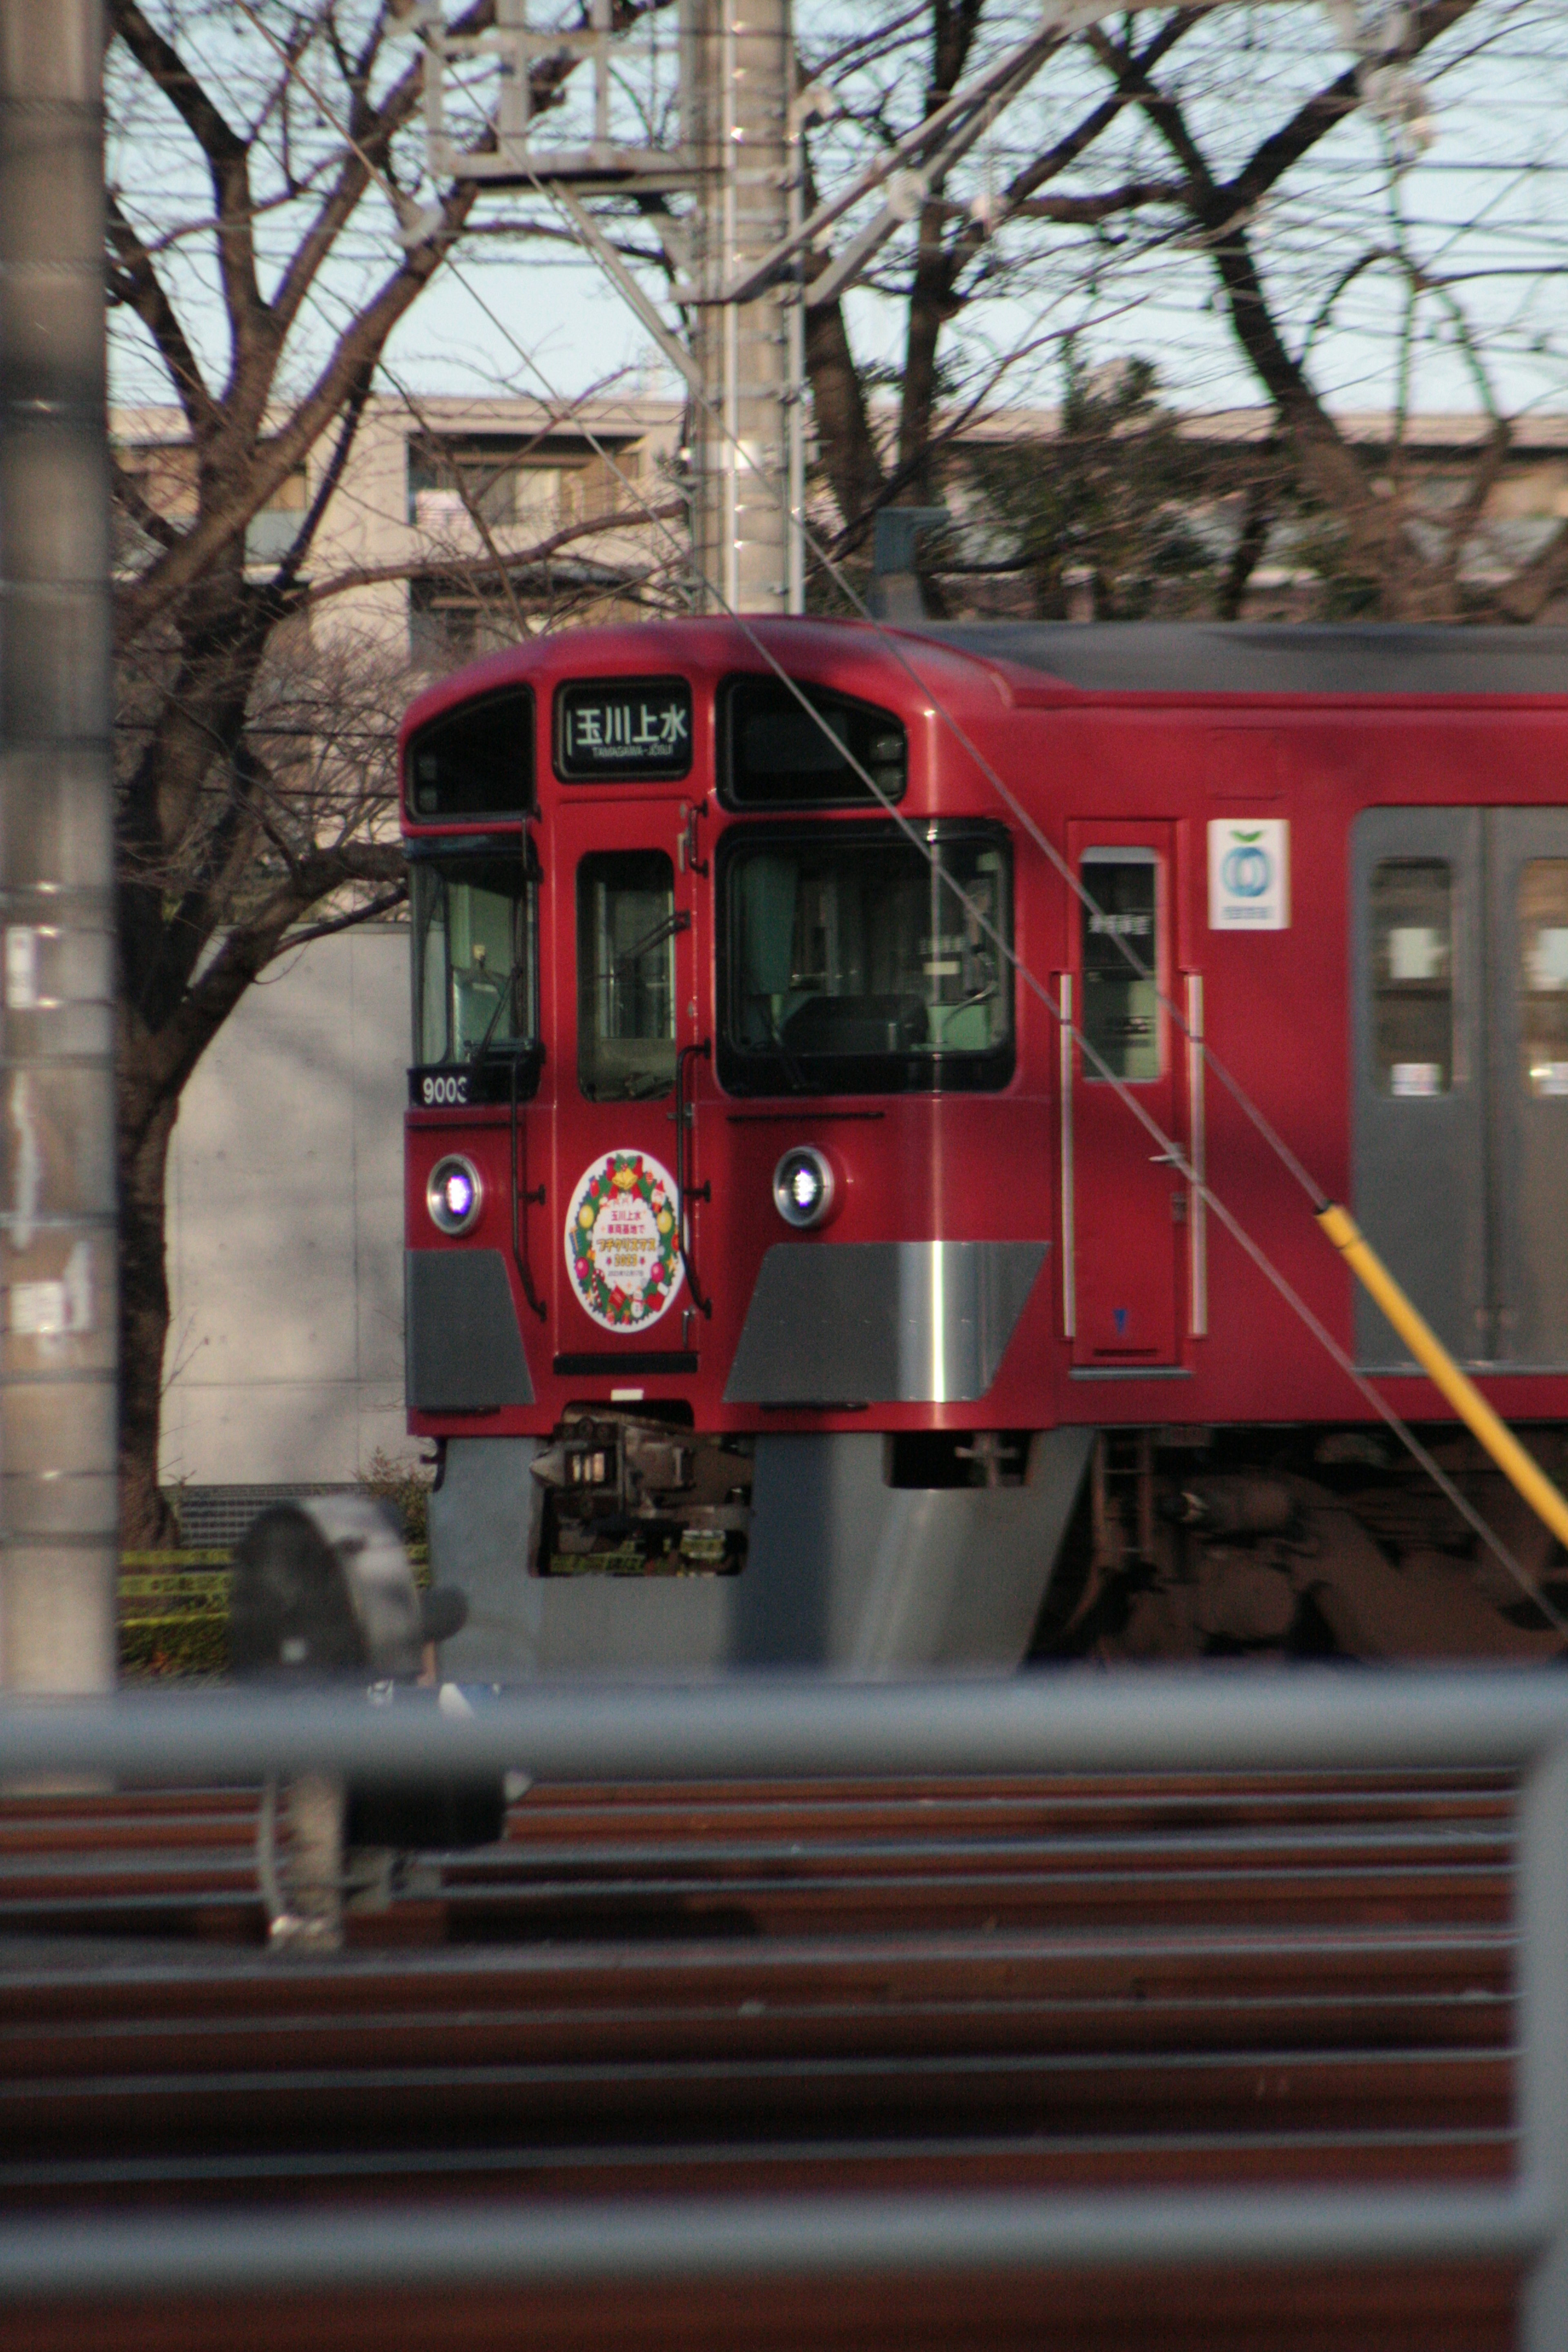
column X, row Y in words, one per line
column 737, row 98
column 739, row 162
column 59, row 1505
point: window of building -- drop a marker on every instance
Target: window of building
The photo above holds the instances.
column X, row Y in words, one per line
column 457, row 481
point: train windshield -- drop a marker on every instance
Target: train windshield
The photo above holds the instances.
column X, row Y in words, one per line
column 476, row 963
column 856, row 961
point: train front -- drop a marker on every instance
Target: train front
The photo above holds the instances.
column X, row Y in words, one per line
column 727, row 1213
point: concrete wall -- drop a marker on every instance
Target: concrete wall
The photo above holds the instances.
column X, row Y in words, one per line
column 285, row 1242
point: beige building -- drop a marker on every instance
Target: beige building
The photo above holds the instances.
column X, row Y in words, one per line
column 443, row 501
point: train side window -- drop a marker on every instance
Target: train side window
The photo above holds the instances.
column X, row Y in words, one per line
column 1543, row 974
column 1413, row 976
column 626, row 926
column 1120, row 1009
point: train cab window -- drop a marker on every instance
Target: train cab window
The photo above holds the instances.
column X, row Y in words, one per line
column 1543, row 974
column 475, row 958
column 476, row 761
column 776, row 753
column 626, row 926
column 1121, row 1008
column 1411, row 904
column 853, row 964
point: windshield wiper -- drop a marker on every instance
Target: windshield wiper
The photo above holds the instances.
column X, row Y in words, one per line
column 664, row 929
column 477, row 1053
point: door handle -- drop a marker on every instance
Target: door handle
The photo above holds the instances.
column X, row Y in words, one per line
column 685, row 854
column 522, row 1199
column 685, row 1191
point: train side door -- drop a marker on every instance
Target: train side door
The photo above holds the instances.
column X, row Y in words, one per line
column 626, row 964
column 1460, row 988
column 1418, row 993
column 1527, row 875
column 1122, row 1198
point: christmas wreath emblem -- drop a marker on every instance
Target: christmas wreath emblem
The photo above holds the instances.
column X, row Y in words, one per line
column 623, row 1244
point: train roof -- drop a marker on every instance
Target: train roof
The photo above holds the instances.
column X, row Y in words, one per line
column 1288, row 658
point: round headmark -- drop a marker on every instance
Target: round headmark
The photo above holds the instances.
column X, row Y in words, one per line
column 623, row 1248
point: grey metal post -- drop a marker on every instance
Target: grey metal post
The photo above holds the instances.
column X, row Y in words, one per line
column 1542, row 1907
column 737, row 72
column 58, row 1347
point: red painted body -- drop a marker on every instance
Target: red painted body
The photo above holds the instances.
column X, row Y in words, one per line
column 1094, row 770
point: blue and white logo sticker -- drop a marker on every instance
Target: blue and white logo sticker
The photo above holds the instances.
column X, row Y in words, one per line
column 1249, row 874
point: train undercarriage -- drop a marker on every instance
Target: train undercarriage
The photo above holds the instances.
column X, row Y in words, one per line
column 627, row 1541
column 1299, row 1543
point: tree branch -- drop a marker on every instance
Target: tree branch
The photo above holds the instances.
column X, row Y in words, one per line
column 476, row 567
column 358, row 348
column 146, row 297
column 226, row 156
column 349, row 921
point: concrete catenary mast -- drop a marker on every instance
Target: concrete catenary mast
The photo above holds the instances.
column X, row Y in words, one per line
column 736, row 159
column 58, row 1350
column 737, row 117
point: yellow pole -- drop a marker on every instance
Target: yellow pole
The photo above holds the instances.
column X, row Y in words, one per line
column 1428, row 1351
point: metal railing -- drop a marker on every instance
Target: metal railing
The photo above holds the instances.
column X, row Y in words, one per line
column 787, row 1727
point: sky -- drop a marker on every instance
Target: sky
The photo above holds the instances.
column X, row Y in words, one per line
column 1478, row 221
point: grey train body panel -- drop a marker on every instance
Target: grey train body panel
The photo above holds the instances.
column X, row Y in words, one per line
column 464, row 1354
column 844, row 1572
column 1418, row 1194
column 835, row 1323
column 1466, row 1193
column 1284, row 657
column 484, row 1530
column 1529, row 1129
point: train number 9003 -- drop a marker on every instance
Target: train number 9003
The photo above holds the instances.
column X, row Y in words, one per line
column 438, row 1090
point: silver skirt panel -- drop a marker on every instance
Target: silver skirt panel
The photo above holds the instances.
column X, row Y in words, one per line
column 464, row 1354
column 837, row 1323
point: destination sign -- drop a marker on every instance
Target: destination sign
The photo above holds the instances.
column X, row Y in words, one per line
column 630, row 729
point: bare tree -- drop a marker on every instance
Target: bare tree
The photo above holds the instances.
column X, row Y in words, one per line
column 1280, row 185
column 268, row 233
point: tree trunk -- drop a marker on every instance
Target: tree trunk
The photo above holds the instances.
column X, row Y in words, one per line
column 146, row 1520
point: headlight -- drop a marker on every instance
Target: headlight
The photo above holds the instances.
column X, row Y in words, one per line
column 454, row 1194
column 804, row 1187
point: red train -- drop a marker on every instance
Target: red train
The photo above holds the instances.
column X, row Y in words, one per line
column 786, row 1282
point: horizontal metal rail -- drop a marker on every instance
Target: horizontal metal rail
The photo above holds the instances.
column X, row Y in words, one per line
column 783, row 1726
column 497, row 2244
